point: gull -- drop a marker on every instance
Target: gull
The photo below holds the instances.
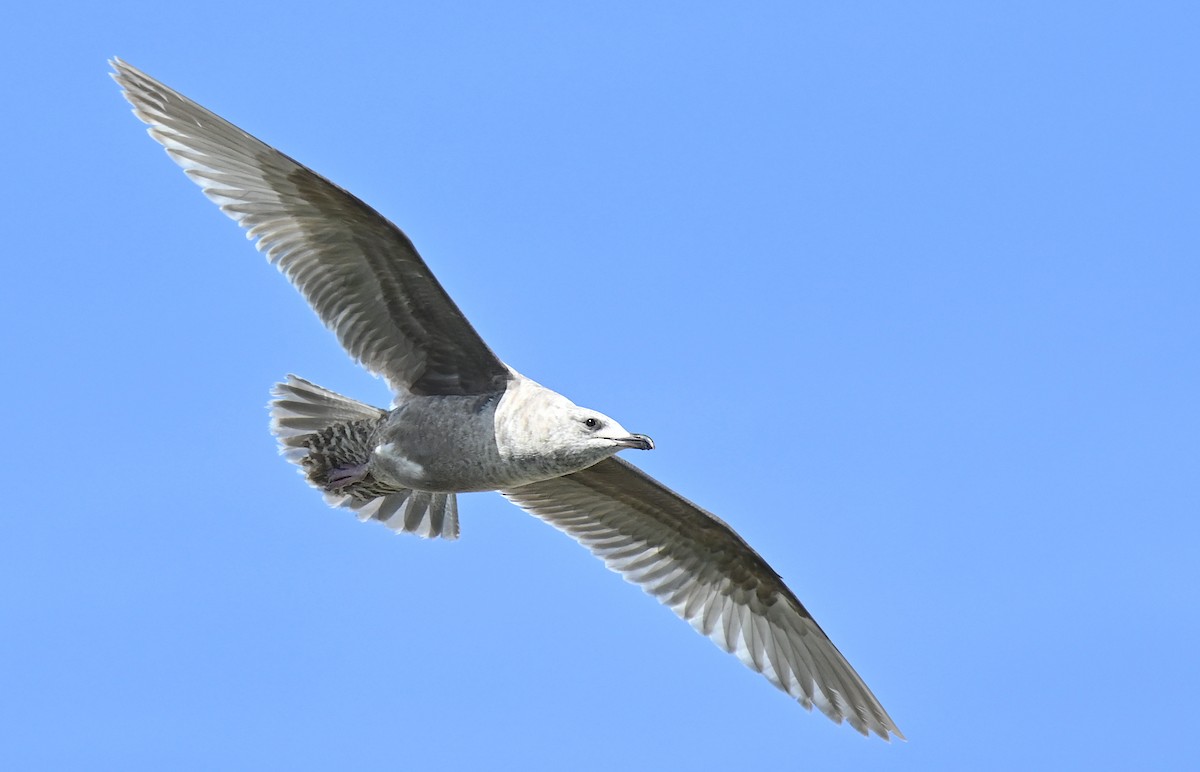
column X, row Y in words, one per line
column 462, row 420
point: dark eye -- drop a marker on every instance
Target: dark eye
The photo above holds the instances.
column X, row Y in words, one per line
column 591, row 423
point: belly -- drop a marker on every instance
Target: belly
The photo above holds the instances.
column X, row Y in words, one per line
column 441, row 472
column 448, row 444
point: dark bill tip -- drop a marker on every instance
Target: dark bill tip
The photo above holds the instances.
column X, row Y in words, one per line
column 639, row 441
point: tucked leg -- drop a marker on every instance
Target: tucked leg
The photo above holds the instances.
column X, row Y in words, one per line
column 342, row 476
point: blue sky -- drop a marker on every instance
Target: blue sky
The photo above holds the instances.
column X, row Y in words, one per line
column 907, row 293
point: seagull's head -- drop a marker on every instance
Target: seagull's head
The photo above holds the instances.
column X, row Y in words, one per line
column 581, row 437
column 597, row 430
column 554, row 433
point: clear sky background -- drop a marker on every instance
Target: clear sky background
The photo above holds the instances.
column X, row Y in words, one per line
column 907, row 293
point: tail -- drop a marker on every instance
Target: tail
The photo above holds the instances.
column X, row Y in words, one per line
column 330, row 437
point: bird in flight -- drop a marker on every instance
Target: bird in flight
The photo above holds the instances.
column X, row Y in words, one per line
column 462, row 420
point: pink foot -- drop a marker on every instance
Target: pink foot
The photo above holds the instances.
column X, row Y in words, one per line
column 343, row 476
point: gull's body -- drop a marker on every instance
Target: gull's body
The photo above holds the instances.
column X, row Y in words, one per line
column 462, row 420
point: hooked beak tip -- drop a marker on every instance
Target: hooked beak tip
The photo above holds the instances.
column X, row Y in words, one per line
column 639, row 441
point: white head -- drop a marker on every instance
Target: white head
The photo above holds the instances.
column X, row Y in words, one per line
column 594, row 428
column 583, row 437
column 550, row 430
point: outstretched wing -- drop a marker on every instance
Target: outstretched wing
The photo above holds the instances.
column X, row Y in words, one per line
column 358, row 271
column 696, row 564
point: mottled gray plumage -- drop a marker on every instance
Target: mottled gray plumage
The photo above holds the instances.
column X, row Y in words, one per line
column 464, row 421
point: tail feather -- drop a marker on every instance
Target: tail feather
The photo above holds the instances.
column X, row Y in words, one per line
column 303, row 418
column 301, row 408
column 426, row 514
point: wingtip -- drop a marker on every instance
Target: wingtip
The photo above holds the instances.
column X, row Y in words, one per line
column 119, row 67
column 125, row 77
column 885, row 730
column 881, row 727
